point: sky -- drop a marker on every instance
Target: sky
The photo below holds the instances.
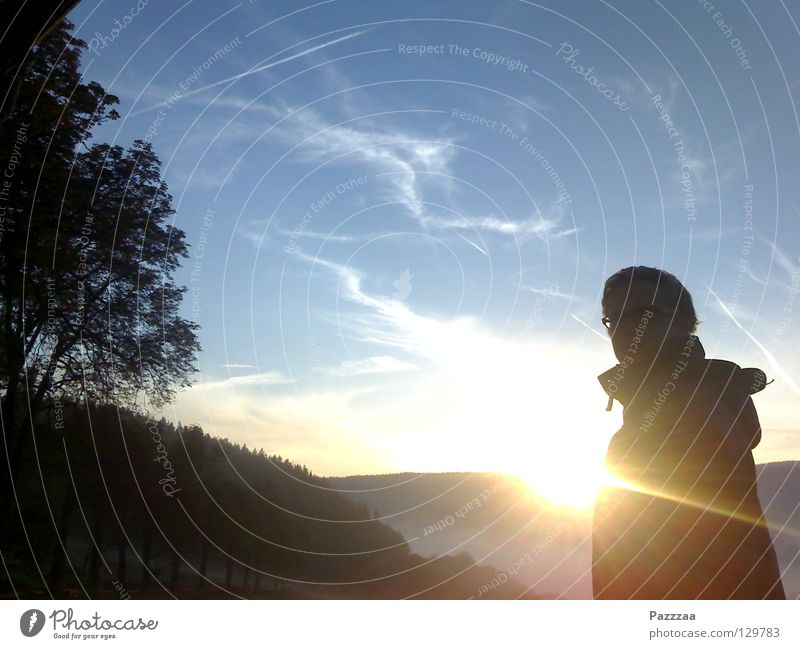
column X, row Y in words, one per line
column 401, row 214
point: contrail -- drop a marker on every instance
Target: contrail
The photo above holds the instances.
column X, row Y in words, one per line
column 781, row 258
column 260, row 68
column 776, row 366
column 474, row 245
column 589, row 327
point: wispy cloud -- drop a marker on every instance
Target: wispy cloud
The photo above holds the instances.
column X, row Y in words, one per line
column 758, row 280
column 404, row 164
column 407, row 156
column 739, row 310
column 253, row 70
column 552, row 290
column 781, row 258
column 323, row 236
column 474, row 382
column 246, row 381
column 549, row 223
column 784, row 280
column 371, row 365
column 390, row 323
column 536, row 103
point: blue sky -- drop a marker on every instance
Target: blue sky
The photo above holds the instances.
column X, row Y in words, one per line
column 401, row 214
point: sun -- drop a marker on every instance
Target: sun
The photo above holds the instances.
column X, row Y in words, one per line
column 575, row 489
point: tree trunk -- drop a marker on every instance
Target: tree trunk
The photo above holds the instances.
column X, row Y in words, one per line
column 176, row 573
column 122, row 560
column 16, row 438
column 60, row 556
column 9, row 472
column 93, row 580
column 201, row 578
column 147, row 554
column 246, row 571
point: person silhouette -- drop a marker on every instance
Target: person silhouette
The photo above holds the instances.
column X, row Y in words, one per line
column 680, row 516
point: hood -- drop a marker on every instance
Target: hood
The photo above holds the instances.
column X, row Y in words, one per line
column 622, row 382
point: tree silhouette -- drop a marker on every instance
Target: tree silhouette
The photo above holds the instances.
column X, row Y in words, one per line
column 88, row 304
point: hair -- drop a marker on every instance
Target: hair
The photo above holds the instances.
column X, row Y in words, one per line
column 665, row 282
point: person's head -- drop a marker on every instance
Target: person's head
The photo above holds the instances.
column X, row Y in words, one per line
column 644, row 307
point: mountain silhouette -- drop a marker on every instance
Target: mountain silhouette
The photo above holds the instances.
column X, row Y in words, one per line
column 546, row 547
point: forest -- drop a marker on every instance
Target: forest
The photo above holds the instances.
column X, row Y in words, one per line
column 118, row 504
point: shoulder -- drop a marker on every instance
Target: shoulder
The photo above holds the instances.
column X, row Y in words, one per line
column 734, row 409
column 738, row 381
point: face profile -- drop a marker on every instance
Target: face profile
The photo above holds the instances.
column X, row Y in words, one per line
column 639, row 305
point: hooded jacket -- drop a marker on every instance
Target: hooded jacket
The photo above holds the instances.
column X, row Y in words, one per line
column 681, row 518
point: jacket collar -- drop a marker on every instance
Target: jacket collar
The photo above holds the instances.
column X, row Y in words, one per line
column 623, row 382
